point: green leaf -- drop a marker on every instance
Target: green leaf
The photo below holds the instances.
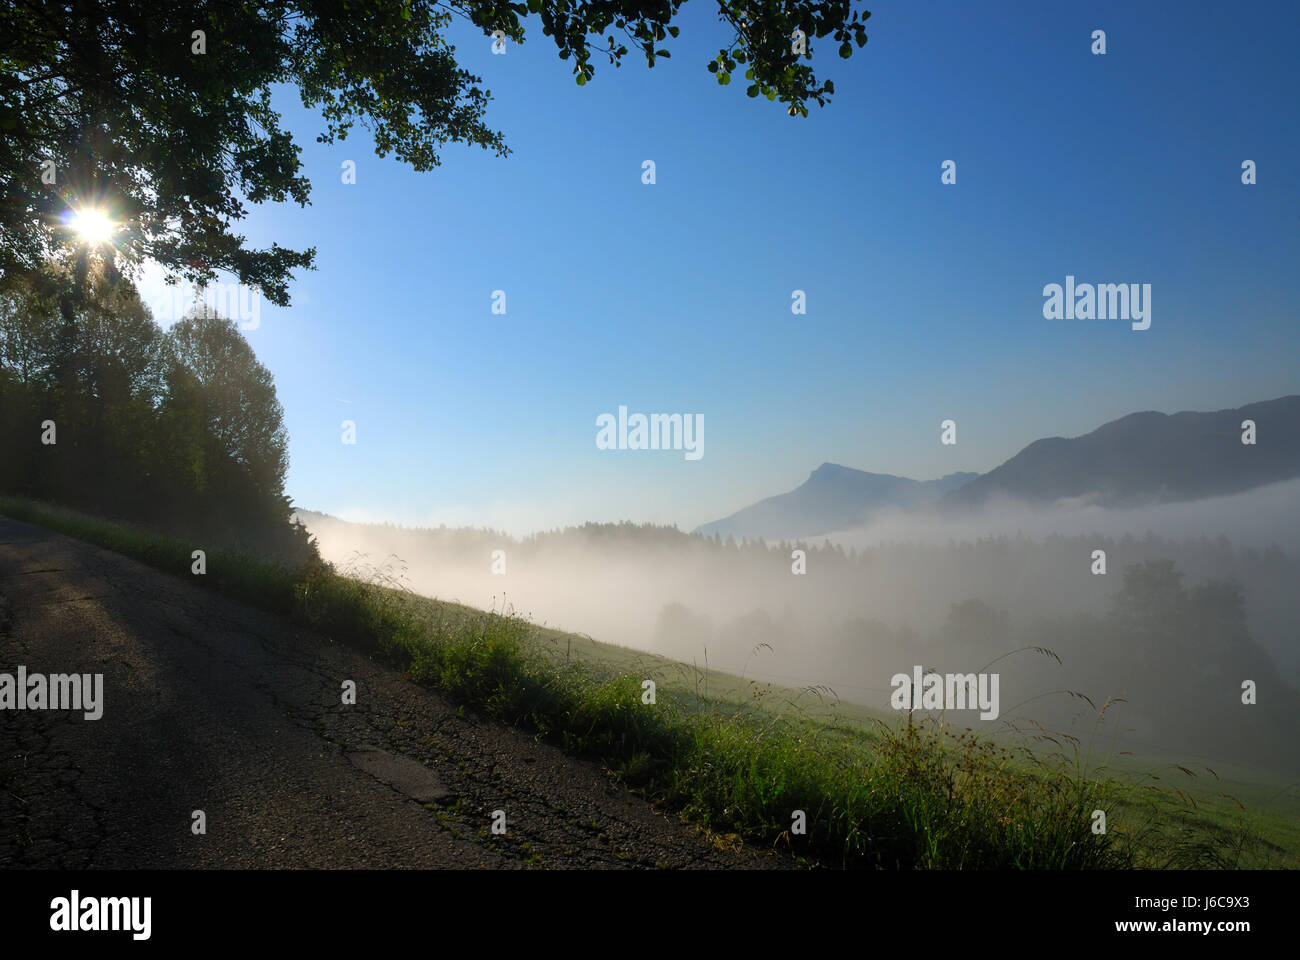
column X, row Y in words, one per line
column 749, row 74
column 724, row 78
column 582, row 79
column 846, row 50
column 752, row 91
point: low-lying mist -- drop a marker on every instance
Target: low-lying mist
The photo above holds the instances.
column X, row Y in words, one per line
column 1259, row 518
column 1196, row 599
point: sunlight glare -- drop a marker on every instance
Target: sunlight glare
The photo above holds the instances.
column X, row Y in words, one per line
column 94, row 226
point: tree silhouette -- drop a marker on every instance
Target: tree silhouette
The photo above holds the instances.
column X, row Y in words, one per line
column 179, row 429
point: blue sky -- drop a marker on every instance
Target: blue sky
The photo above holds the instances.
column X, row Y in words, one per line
column 924, row 301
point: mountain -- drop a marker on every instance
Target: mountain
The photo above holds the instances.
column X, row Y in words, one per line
column 1150, row 457
column 832, row 498
column 1140, row 459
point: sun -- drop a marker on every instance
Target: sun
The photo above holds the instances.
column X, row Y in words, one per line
column 93, row 226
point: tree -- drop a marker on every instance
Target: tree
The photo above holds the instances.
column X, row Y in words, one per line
column 1150, row 603
column 96, row 374
column 1186, row 652
column 974, row 626
column 162, row 113
column 243, row 422
column 28, row 334
column 181, row 430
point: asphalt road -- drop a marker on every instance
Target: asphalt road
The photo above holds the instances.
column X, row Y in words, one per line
column 211, row 705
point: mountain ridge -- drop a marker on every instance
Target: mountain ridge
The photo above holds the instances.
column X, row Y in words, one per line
column 1141, row 458
column 1150, row 457
column 834, row 496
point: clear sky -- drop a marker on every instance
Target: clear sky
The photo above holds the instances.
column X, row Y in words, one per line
column 924, row 300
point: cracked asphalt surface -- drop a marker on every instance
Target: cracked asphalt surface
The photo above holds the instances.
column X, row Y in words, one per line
column 215, row 706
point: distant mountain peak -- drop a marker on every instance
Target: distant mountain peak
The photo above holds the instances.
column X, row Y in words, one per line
column 835, row 471
column 834, row 497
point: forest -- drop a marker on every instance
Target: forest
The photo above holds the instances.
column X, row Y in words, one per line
column 103, row 410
